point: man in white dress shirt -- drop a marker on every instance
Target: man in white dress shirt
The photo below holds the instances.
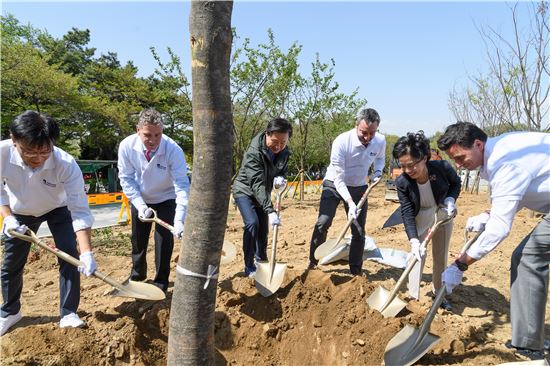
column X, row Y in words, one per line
column 517, row 166
column 40, row 182
column 353, row 152
column 153, row 174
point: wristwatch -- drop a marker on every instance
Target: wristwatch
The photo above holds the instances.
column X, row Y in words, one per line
column 461, row 266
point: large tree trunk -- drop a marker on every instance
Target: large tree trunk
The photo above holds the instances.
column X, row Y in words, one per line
column 191, row 335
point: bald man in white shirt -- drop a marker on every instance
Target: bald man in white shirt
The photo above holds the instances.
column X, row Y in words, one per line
column 353, row 152
column 41, row 182
column 517, row 166
column 153, row 175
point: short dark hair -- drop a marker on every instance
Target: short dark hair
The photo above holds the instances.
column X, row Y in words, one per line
column 461, row 133
column 279, row 125
column 368, row 114
column 34, row 129
column 414, row 144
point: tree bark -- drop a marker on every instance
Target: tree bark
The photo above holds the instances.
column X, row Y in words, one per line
column 191, row 334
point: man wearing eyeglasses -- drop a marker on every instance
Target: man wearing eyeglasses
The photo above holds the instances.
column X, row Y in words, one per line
column 41, row 182
column 353, row 152
column 517, row 166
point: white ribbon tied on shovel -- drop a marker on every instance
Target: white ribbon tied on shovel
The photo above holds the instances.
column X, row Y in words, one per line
column 212, row 272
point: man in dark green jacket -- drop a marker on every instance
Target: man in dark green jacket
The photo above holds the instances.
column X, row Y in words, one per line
column 264, row 164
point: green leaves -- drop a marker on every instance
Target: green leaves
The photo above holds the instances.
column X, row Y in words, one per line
column 267, row 82
column 96, row 99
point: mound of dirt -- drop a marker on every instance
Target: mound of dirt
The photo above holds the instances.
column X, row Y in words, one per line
column 316, row 317
column 323, row 313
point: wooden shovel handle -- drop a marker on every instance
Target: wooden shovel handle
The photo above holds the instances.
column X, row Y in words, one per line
column 32, row 238
column 413, row 261
column 441, row 293
column 156, row 220
column 359, row 206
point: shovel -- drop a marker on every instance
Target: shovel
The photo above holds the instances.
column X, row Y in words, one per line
column 138, row 290
column 410, row 344
column 387, row 302
column 388, row 256
column 270, row 275
column 228, row 250
column 328, row 246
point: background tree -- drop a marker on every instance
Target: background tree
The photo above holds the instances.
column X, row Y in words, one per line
column 191, row 334
column 51, row 90
column 316, row 100
column 260, row 84
column 514, row 93
column 94, row 98
column 171, row 88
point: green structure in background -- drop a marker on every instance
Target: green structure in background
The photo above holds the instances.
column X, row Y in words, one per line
column 100, row 176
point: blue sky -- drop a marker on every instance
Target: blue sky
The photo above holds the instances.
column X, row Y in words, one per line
column 405, row 57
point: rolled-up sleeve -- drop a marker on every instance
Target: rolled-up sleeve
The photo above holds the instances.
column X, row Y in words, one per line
column 77, row 201
column 508, row 185
column 127, row 177
column 181, row 181
column 338, row 161
column 380, row 160
column 4, row 158
column 4, row 198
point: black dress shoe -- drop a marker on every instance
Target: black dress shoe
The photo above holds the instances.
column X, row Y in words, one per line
column 445, row 305
column 137, row 278
column 531, row 354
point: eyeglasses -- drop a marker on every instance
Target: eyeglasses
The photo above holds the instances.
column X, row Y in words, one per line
column 32, row 154
column 410, row 166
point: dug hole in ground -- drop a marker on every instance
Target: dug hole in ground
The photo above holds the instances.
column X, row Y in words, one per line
column 317, row 317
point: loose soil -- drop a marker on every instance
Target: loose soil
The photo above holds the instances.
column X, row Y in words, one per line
column 318, row 317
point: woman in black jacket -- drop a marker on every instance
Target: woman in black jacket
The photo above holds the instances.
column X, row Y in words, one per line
column 424, row 186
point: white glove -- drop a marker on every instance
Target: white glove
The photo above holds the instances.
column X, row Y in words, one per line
column 10, row 222
column 449, row 203
column 417, row 250
column 477, row 223
column 376, row 176
column 274, row 219
column 89, row 266
column 178, row 229
column 279, row 182
column 352, row 210
column 145, row 212
column 452, row 277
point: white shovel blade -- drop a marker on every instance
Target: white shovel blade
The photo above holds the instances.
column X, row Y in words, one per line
column 138, row 290
column 266, row 283
column 402, row 349
column 378, row 299
column 229, row 252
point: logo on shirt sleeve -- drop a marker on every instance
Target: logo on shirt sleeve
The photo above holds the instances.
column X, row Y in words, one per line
column 53, row 185
column 372, row 153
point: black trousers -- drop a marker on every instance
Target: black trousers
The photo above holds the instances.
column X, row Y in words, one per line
column 16, row 252
column 330, row 199
column 164, row 244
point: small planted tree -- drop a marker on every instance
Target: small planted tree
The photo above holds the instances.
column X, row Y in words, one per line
column 191, row 334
